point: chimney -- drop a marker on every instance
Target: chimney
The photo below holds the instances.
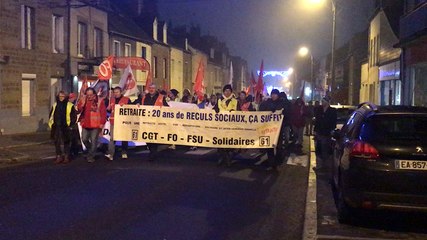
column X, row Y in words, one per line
column 165, row 33
column 155, row 28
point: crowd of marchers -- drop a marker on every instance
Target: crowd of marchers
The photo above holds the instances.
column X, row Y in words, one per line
column 90, row 111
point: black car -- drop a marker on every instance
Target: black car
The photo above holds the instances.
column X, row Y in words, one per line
column 380, row 160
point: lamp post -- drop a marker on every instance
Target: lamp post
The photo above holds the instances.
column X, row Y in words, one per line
column 304, row 51
column 334, row 16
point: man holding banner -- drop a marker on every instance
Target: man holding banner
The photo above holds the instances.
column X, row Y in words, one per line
column 117, row 98
column 226, row 103
column 153, row 98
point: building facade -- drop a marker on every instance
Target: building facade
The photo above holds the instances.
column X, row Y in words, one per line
column 413, row 41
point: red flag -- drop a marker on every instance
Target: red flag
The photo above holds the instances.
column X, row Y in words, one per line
column 84, row 87
column 248, row 90
column 198, row 83
column 260, row 84
column 149, row 79
column 105, row 70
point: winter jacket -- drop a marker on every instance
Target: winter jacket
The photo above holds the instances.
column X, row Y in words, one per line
column 326, row 122
column 155, row 100
column 226, row 105
column 113, row 101
column 298, row 114
column 93, row 113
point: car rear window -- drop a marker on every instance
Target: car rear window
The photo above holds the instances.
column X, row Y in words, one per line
column 394, row 127
column 343, row 114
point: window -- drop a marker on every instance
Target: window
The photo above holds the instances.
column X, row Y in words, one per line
column 57, row 34
column 98, row 44
column 144, row 52
column 212, row 53
column 27, row 27
column 27, row 97
column 116, row 48
column 155, row 66
column 127, row 50
column 81, row 39
column 165, row 68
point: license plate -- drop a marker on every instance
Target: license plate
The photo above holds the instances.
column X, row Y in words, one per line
column 411, row 165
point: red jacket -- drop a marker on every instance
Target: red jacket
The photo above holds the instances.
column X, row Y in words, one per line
column 123, row 100
column 92, row 116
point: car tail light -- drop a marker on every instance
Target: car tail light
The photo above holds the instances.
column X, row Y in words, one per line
column 364, row 150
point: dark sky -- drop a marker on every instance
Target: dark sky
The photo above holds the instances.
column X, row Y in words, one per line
column 272, row 30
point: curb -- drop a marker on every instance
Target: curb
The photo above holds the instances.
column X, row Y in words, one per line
column 310, row 220
column 25, row 145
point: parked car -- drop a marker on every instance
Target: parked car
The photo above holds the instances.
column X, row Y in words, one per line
column 343, row 113
column 380, row 160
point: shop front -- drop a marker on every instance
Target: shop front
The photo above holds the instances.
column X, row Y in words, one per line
column 390, row 84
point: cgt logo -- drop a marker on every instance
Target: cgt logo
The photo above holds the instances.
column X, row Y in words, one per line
column 134, row 134
column 419, row 149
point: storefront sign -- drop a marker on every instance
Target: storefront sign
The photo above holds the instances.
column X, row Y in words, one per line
column 390, row 71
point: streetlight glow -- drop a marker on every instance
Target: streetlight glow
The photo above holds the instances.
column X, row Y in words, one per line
column 290, row 71
column 317, row 2
column 303, row 51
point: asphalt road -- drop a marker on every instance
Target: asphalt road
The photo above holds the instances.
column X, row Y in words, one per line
column 183, row 195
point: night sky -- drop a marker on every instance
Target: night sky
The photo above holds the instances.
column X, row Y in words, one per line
column 272, row 30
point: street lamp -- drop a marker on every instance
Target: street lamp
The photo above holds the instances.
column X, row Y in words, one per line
column 303, row 52
column 334, row 16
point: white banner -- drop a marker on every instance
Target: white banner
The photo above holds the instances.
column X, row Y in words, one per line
column 201, row 128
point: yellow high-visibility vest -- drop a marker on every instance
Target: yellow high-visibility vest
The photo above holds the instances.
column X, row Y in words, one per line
column 67, row 114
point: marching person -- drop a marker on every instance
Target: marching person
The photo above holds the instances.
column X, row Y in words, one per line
column 173, row 95
column 273, row 104
column 326, row 122
column 213, row 101
column 117, row 98
column 153, row 98
column 298, row 122
column 76, row 144
column 287, row 114
column 243, row 103
column 226, row 103
column 92, row 119
column 61, row 117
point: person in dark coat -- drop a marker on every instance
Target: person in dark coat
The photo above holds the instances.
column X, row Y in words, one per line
column 273, row 104
column 287, row 114
column 298, row 121
column 76, row 144
column 326, row 122
column 61, row 117
column 153, row 98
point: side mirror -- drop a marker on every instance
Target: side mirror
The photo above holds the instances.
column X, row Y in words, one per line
column 336, row 134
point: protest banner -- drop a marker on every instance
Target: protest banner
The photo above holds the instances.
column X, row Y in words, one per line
column 201, row 128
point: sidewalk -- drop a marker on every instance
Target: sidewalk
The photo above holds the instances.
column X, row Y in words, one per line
column 10, row 144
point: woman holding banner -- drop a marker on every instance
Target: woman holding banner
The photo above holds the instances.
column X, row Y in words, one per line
column 226, row 103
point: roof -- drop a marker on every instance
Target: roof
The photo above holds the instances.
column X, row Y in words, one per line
column 126, row 27
column 393, row 13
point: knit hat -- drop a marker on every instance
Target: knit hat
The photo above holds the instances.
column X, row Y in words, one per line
column 228, row 86
column 174, row 92
column 275, row 91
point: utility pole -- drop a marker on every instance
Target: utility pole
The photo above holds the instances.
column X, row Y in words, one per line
column 67, row 74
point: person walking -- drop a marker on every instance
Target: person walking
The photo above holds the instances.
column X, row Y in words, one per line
column 243, row 103
column 273, row 104
column 76, row 144
column 226, row 103
column 62, row 116
column 309, row 114
column 153, row 98
column 286, row 124
column 117, row 98
column 92, row 119
column 298, row 122
column 325, row 124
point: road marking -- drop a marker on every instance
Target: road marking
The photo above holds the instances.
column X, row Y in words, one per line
column 310, row 221
column 50, row 157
